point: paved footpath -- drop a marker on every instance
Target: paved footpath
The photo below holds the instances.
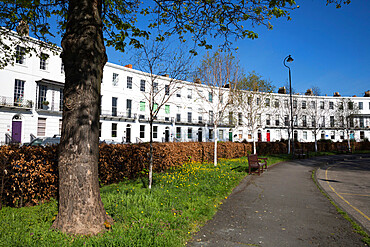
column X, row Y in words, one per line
column 282, row 207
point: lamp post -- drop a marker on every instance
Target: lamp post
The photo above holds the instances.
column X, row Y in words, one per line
column 289, row 59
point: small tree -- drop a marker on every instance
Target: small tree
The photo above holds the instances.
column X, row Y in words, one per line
column 219, row 74
column 163, row 69
column 252, row 98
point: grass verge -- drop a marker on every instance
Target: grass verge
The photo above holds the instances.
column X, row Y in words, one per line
column 181, row 200
column 358, row 229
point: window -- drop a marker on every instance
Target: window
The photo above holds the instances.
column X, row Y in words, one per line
column 295, row 103
column 18, row 92
column 286, row 120
column 295, row 120
column 220, row 134
column 341, row 121
column 178, row 132
column 351, row 122
column 61, row 95
column 142, row 85
column 304, row 135
column 43, row 61
column 304, row 104
column 129, row 82
column 258, row 101
column 240, row 118
column 155, row 87
column 142, row 131
column 323, row 121
column 211, row 116
column 60, row 126
column 42, row 96
column 190, row 133
column 41, row 126
column 340, row 106
column 167, row 109
column 189, row 93
column 341, row 134
column 20, row 53
column 128, row 107
column 178, row 117
column 332, row 135
column 210, row 134
column 210, row 97
column 322, row 105
column 178, row 92
column 155, row 131
column 267, row 102
column 259, row 119
column 114, row 130
column 313, row 121
column 115, row 79
column 362, row 122
column 304, row 121
column 189, row 117
column 331, row 105
column 331, row 121
column 114, row 106
column 142, row 106
column 155, row 107
column 360, row 105
column 313, row 104
column 362, row 135
column 231, row 118
column 276, row 103
column 62, row 67
column 277, row 122
column 100, row 129
column 167, row 89
column 350, row 105
column 268, row 119
column 286, row 103
column 200, row 119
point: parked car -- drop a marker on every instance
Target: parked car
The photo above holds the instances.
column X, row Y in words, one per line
column 45, row 141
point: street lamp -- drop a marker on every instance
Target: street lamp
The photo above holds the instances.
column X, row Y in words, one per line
column 289, row 59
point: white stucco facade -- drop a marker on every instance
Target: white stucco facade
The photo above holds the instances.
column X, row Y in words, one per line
column 32, row 88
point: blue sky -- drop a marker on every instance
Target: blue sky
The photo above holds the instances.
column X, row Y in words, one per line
column 330, row 48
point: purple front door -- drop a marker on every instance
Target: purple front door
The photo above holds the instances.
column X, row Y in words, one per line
column 16, row 131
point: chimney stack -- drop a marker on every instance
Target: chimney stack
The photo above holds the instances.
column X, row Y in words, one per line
column 367, row 93
column 128, row 66
column 197, row 81
column 336, row 94
column 309, row 92
column 282, row 90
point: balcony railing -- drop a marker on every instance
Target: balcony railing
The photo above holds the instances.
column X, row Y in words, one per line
column 19, row 103
column 118, row 114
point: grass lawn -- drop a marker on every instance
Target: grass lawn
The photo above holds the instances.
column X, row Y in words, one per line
column 181, row 200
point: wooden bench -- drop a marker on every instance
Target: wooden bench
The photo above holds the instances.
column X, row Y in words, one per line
column 300, row 153
column 255, row 162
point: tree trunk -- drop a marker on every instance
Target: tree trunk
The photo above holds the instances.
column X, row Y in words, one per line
column 348, row 140
column 215, row 151
column 151, row 154
column 81, row 210
column 315, row 142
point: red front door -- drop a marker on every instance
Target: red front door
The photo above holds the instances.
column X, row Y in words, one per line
column 268, row 136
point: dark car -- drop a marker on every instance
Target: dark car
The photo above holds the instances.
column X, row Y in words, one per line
column 45, row 141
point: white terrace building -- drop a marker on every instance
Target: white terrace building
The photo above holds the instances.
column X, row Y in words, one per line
column 31, row 106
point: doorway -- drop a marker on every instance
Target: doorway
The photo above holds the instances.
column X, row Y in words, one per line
column 268, row 136
column 200, row 135
column 167, row 134
column 17, row 129
column 128, row 133
column 259, row 135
